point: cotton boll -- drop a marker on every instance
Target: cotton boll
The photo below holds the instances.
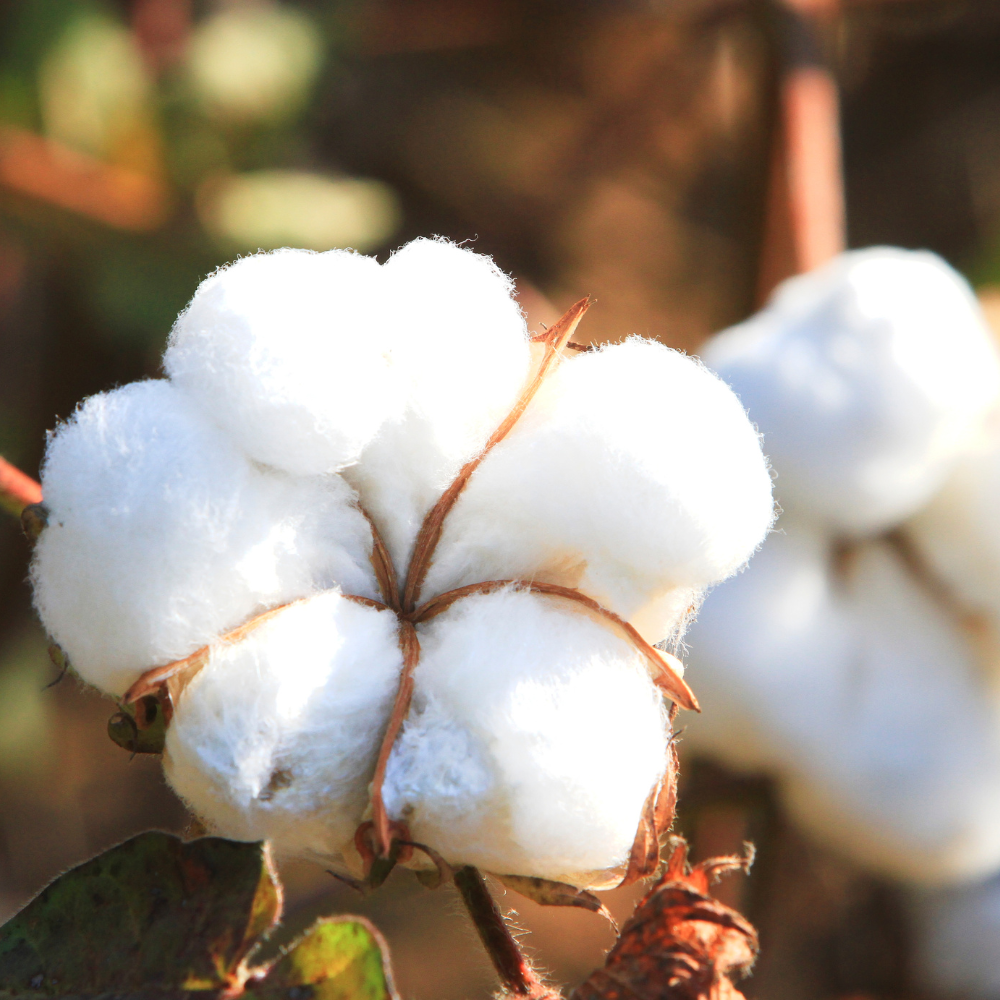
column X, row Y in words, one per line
column 768, row 655
column 286, row 352
column 634, row 476
column 277, row 736
column 867, row 378
column 162, row 535
column 460, row 347
column 910, row 785
column 955, row 931
column 534, row 739
column 958, row 532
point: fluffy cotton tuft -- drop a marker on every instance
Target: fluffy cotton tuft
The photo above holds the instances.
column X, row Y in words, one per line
column 286, row 352
column 461, row 346
column 535, row 737
column 858, row 693
column 162, row 535
column 634, row 476
column 867, row 378
column 277, row 736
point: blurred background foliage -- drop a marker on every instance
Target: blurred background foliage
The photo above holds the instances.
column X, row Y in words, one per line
column 608, row 148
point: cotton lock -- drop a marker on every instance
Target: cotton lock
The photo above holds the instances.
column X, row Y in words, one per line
column 254, row 540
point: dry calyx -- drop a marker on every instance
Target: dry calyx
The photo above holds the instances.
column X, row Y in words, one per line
column 393, row 572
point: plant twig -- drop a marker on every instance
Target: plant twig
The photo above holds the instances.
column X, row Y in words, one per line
column 17, row 490
column 512, row 967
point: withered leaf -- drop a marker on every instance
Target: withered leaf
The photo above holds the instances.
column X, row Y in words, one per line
column 548, row 893
column 152, row 913
column 680, row 944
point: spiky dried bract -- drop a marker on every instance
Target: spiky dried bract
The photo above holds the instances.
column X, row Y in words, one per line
column 866, row 377
column 243, row 536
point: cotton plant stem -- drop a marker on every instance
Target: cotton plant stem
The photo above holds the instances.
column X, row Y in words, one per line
column 17, row 490
column 511, row 966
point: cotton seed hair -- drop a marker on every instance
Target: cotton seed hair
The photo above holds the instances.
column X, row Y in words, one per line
column 242, row 519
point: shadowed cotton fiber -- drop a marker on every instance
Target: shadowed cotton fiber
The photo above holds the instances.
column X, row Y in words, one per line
column 867, row 377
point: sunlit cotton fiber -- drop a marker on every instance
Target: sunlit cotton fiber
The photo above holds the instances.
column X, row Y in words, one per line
column 181, row 510
column 866, row 378
column 589, row 492
column 277, row 736
column 540, row 758
column 163, row 535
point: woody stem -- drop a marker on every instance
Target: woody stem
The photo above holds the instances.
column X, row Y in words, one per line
column 16, row 489
column 512, row 967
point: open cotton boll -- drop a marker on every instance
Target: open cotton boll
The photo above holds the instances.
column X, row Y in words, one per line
column 460, row 347
column 162, row 535
column 634, row 476
column 910, row 782
column 955, row 932
column 286, row 352
column 769, row 653
column 277, row 736
column 866, row 377
column 534, row 738
column 958, row 532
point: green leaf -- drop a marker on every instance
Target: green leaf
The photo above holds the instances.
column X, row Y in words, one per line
column 338, row 958
column 153, row 915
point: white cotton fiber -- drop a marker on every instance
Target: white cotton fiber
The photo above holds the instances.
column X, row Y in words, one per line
column 162, row 535
column 958, row 532
column 534, row 739
column 287, row 352
column 867, row 378
column 634, row 476
column 278, row 735
column 955, row 932
column 460, row 348
column 863, row 701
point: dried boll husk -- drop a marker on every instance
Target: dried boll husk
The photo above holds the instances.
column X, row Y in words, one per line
column 588, row 491
column 860, row 696
column 276, row 738
column 540, row 759
column 162, row 535
column 867, row 378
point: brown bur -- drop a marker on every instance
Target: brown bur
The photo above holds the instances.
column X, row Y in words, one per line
column 680, row 944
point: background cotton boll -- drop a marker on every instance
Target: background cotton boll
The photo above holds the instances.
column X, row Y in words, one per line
column 958, row 532
column 866, row 378
column 535, row 736
column 162, row 534
column 460, row 347
column 907, row 780
column 956, row 931
column 278, row 735
column 634, row 475
column 285, row 352
column 768, row 653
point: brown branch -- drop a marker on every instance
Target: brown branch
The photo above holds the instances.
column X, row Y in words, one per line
column 410, row 645
column 17, row 490
column 512, row 967
column 555, row 338
column 385, row 571
column 667, row 676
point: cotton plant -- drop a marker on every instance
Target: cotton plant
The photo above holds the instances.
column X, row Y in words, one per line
column 401, row 579
column 856, row 658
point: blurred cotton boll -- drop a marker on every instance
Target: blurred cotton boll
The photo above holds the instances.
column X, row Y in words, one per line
column 268, row 209
column 93, row 88
column 867, row 378
column 254, row 61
